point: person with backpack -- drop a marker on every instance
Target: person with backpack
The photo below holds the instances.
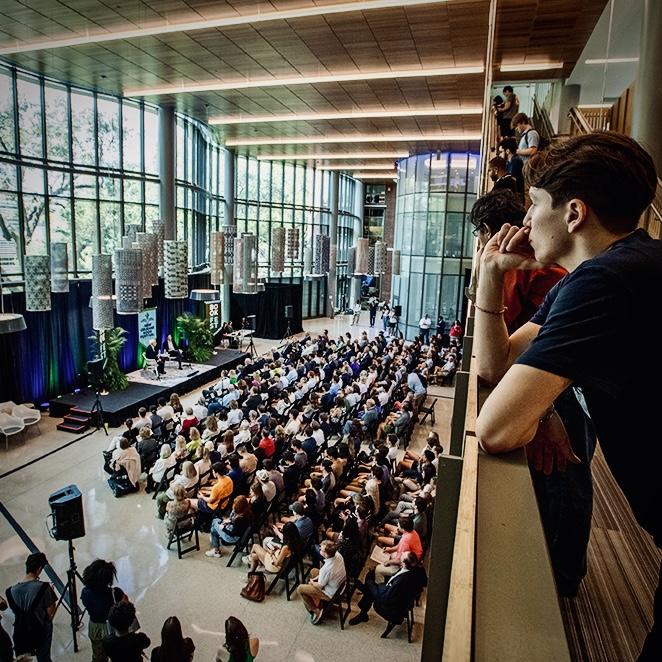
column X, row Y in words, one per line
column 33, row 603
column 125, row 644
column 98, row 596
column 529, row 138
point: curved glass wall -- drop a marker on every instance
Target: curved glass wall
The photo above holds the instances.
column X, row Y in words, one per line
column 76, row 166
column 274, row 193
column 434, row 196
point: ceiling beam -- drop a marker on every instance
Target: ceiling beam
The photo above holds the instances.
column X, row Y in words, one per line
column 206, row 24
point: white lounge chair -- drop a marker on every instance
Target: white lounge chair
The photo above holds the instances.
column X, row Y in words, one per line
column 27, row 415
column 10, row 425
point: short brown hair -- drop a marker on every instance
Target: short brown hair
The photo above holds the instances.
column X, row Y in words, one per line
column 520, row 118
column 609, row 172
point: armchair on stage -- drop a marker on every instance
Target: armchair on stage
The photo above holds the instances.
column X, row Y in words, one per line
column 154, row 361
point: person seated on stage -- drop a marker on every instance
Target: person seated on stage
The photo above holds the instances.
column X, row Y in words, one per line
column 152, row 353
column 170, row 348
column 190, row 421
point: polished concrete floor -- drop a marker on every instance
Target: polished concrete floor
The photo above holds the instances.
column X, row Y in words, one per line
column 201, row 591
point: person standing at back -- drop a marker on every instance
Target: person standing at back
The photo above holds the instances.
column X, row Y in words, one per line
column 424, row 325
column 33, row 603
column 529, row 138
column 372, row 307
column 587, row 196
column 125, row 643
column 356, row 313
column 500, row 176
column 508, row 109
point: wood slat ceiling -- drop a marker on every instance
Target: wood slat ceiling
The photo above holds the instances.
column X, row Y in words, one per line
column 446, row 34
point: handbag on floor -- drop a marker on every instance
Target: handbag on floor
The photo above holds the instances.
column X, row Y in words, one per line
column 121, row 485
column 255, row 587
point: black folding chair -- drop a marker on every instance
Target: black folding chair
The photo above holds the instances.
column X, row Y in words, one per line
column 185, row 531
column 293, row 564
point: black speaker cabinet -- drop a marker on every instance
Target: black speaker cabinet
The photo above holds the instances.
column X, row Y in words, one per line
column 289, row 312
column 251, row 322
column 67, row 513
column 397, row 310
column 95, row 371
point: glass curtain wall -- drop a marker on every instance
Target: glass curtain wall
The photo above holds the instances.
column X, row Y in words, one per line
column 199, row 187
column 75, row 166
column 275, row 193
column 434, row 196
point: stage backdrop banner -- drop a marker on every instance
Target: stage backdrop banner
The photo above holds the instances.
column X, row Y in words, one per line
column 146, row 331
column 213, row 315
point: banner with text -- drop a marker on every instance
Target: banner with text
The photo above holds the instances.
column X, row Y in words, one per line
column 213, row 315
column 147, row 326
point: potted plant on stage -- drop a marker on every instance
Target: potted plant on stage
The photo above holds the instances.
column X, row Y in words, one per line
column 109, row 344
column 198, row 335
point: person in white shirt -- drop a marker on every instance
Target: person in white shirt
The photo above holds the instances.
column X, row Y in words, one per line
column 268, row 486
column 199, row 409
column 235, row 415
column 324, row 583
column 165, row 410
column 424, row 325
column 292, row 375
column 318, row 433
column 357, row 314
column 165, row 461
column 143, row 417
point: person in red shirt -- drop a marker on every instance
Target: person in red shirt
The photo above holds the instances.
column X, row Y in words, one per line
column 267, row 443
column 189, row 422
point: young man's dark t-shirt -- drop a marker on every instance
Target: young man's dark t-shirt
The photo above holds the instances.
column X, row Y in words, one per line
column 584, row 319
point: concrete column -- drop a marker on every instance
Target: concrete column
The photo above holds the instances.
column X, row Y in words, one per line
column 167, row 170
column 228, row 219
column 569, row 98
column 646, row 125
column 333, row 249
column 355, row 284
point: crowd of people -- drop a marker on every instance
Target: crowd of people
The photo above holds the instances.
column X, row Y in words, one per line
column 287, row 459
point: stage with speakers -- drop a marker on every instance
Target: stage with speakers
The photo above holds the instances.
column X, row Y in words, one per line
column 144, row 392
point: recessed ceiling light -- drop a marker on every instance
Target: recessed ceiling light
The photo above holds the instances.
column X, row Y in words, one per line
column 372, row 175
column 357, row 166
column 333, row 155
column 207, row 24
column 359, row 138
column 387, row 74
column 350, row 115
column 531, row 66
column 611, row 60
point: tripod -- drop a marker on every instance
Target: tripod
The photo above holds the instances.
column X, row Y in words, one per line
column 96, row 413
column 251, row 347
column 288, row 331
column 69, row 591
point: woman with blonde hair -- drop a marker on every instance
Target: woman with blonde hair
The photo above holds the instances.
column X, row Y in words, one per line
column 180, row 448
column 211, row 427
column 203, row 463
column 227, row 444
column 165, row 460
column 187, row 479
column 195, row 440
column 176, row 508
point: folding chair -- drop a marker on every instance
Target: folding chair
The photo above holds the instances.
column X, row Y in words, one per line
column 185, row 531
column 293, row 563
column 427, row 411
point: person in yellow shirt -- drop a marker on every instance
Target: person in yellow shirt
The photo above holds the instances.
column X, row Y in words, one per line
column 219, row 495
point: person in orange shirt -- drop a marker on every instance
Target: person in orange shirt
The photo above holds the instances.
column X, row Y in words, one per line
column 220, row 493
column 409, row 542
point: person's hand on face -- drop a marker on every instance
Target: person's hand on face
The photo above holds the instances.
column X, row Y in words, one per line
column 509, row 249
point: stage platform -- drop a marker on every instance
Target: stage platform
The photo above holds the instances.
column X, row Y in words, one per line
column 119, row 406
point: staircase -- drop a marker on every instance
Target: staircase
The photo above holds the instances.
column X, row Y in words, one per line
column 76, row 421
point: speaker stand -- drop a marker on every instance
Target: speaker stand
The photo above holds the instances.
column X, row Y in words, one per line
column 70, row 591
column 288, row 331
column 96, row 414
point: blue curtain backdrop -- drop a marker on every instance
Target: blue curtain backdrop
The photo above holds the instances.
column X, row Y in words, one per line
column 49, row 358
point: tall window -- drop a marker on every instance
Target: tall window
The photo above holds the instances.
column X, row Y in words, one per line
column 199, row 186
column 75, row 167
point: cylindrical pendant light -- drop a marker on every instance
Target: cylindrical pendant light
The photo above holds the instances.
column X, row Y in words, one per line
column 395, row 264
column 37, row 282
column 351, row 260
column 321, row 248
column 292, row 240
column 147, row 243
column 175, row 269
column 129, row 280
column 159, row 231
column 102, row 292
column 230, row 232
column 59, row 267
column 278, row 249
column 245, row 264
column 362, row 255
column 380, row 256
column 217, row 258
